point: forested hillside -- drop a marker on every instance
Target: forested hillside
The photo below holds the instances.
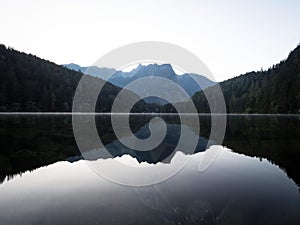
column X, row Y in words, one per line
column 28, row 83
column 276, row 90
column 31, row 84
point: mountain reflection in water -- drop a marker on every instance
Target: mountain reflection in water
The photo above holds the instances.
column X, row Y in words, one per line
column 236, row 189
column 252, row 181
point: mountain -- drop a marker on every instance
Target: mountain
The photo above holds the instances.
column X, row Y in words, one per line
column 121, row 79
column 75, row 67
column 29, row 83
column 276, row 90
column 186, row 81
column 92, row 70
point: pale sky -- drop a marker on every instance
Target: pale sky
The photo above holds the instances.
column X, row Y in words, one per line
column 230, row 36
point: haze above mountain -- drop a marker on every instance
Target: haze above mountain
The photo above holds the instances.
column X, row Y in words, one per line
column 190, row 82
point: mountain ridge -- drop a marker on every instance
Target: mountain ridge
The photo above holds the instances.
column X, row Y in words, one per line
column 29, row 83
column 188, row 81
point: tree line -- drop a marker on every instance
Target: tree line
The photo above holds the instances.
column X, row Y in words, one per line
column 29, row 83
column 276, row 90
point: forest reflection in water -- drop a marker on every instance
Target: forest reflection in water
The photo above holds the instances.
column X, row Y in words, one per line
column 248, row 183
column 31, row 141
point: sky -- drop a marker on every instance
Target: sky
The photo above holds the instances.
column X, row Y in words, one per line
column 231, row 37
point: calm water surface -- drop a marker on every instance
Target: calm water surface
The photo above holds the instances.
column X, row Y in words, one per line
column 254, row 179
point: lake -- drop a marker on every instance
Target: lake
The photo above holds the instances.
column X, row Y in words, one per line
column 251, row 178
